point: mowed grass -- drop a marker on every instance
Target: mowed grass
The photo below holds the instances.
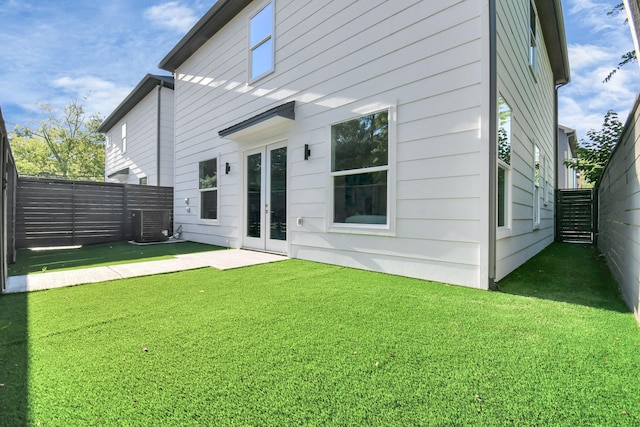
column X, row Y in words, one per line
column 29, row 261
column 299, row 343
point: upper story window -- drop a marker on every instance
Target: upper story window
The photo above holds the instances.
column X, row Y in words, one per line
column 124, row 137
column 261, row 43
column 360, row 170
column 533, row 38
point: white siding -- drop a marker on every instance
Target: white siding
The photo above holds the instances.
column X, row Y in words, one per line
column 531, row 97
column 619, row 216
column 337, row 60
column 142, row 141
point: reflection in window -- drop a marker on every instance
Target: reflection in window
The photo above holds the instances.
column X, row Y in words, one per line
column 360, row 164
column 504, row 131
column 208, row 185
column 261, row 42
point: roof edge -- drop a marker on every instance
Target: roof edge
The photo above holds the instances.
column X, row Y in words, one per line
column 552, row 23
column 143, row 88
column 213, row 21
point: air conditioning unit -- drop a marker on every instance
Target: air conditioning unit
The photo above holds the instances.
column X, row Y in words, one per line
column 150, row 225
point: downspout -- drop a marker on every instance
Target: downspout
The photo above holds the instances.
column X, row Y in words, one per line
column 493, row 141
column 158, row 135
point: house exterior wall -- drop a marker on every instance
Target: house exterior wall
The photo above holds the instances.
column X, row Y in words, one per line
column 567, row 178
column 337, row 60
column 141, row 155
column 166, row 136
column 619, row 212
column 530, row 94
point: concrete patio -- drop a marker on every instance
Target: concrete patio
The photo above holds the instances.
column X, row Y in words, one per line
column 221, row 260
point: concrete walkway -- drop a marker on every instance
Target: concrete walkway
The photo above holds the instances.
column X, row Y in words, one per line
column 222, row 260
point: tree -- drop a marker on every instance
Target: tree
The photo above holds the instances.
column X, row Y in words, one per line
column 65, row 145
column 593, row 155
column 626, row 58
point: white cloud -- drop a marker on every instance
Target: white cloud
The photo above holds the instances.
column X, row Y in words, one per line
column 586, row 55
column 97, row 95
column 172, row 15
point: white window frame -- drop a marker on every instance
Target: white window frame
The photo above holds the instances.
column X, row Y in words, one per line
column 505, row 229
column 124, row 137
column 143, row 178
column 270, row 36
column 388, row 229
column 538, row 186
column 209, row 189
column 533, row 38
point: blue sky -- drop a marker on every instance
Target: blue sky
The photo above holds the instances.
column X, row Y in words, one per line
column 96, row 52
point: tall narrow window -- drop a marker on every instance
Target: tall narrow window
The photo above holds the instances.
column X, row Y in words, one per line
column 538, row 177
column 504, row 161
column 208, row 185
column 360, row 170
column 261, row 46
column 124, row 137
column 533, row 43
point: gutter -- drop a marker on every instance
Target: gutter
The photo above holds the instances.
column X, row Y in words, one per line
column 493, row 145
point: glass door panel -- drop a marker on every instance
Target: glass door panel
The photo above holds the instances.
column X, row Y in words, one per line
column 278, row 194
column 254, row 195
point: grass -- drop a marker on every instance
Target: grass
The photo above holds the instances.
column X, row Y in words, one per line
column 29, row 261
column 299, row 343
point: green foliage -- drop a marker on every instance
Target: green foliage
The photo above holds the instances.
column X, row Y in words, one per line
column 300, row 343
column 64, row 145
column 361, row 143
column 626, row 58
column 593, row 155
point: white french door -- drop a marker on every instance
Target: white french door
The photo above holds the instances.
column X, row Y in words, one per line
column 265, row 198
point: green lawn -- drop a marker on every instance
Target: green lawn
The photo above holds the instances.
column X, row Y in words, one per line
column 300, row 343
column 29, row 261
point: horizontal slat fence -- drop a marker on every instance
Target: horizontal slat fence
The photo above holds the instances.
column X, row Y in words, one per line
column 60, row 212
column 576, row 216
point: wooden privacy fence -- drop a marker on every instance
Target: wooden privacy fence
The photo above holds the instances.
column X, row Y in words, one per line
column 576, row 216
column 59, row 212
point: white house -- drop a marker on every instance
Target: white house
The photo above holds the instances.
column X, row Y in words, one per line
column 139, row 135
column 408, row 137
column 567, row 145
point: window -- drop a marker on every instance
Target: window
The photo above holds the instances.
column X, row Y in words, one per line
column 533, row 43
column 504, row 161
column 261, row 47
column 538, row 176
column 208, row 185
column 124, row 137
column 143, row 180
column 360, row 170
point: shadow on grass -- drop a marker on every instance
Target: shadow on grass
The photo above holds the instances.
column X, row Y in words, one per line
column 14, row 359
column 29, row 261
column 570, row 273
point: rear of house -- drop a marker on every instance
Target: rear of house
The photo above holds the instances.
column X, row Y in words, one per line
column 139, row 135
column 360, row 134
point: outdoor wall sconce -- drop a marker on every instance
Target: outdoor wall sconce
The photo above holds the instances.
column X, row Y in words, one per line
column 307, row 151
column 227, row 168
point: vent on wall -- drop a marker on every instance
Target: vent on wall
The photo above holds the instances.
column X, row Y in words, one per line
column 150, row 225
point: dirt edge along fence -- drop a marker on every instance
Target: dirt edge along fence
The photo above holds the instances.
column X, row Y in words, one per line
column 51, row 212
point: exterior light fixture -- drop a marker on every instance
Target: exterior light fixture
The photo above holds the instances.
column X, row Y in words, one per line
column 307, row 151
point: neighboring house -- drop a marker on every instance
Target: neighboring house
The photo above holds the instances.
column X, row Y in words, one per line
column 567, row 145
column 407, row 137
column 139, row 135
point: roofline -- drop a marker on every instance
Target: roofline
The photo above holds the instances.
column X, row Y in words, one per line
column 213, row 21
column 552, row 23
column 143, row 88
column 572, row 137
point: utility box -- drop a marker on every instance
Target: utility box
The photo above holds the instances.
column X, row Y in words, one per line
column 150, row 226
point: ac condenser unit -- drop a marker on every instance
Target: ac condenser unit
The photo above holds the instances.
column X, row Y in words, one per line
column 150, row 225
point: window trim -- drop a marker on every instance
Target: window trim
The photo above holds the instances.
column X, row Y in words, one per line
column 388, row 229
column 212, row 221
column 251, row 48
column 533, row 39
column 505, row 230
column 146, row 180
column 123, row 130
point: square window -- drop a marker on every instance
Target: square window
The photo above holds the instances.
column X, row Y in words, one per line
column 261, row 43
column 360, row 170
column 143, row 180
column 208, row 185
